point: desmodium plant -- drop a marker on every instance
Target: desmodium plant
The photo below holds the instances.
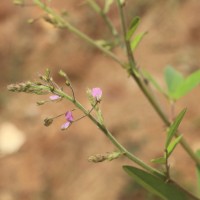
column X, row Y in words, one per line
column 155, row 181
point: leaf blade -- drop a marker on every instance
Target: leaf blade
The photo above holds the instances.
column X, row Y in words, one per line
column 173, row 145
column 136, row 41
column 154, row 184
column 174, row 127
column 132, row 28
column 160, row 160
column 173, row 80
column 188, row 84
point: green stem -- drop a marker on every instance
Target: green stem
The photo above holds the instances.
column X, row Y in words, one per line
column 111, row 137
column 120, row 147
column 63, row 24
column 145, row 91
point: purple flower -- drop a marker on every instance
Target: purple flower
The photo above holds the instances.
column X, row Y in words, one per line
column 97, row 93
column 65, row 125
column 69, row 117
column 54, row 97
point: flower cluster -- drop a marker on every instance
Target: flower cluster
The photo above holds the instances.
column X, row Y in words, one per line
column 46, row 86
column 96, row 93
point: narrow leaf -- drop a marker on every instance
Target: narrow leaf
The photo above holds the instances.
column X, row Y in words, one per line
column 189, row 83
column 161, row 160
column 155, row 185
column 173, row 80
column 173, row 128
column 173, row 144
column 136, row 41
column 133, row 26
column 198, row 173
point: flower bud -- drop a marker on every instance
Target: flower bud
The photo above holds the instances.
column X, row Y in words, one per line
column 97, row 158
column 62, row 73
column 48, row 121
column 39, row 103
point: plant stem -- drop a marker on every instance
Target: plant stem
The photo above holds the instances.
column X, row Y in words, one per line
column 110, row 136
column 120, row 147
column 61, row 23
column 145, row 91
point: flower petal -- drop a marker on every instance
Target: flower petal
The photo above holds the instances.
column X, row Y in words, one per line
column 65, row 125
column 54, row 97
column 69, row 117
column 97, row 93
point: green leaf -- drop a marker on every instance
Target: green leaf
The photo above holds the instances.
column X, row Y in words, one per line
column 189, row 83
column 173, row 80
column 173, row 128
column 177, row 85
column 136, row 41
column 108, row 3
column 198, row 173
column 161, row 160
column 155, row 185
column 173, row 144
column 133, row 26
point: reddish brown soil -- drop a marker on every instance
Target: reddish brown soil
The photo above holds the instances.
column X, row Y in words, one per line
column 53, row 164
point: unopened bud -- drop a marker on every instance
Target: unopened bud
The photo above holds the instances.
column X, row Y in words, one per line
column 62, row 73
column 48, row 121
column 39, row 103
column 67, row 83
column 97, row 158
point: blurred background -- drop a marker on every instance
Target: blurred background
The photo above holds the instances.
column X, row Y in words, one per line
column 40, row 163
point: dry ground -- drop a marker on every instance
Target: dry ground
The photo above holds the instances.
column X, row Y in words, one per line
column 52, row 164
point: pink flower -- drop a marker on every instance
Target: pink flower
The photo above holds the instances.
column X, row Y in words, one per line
column 54, row 97
column 69, row 117
column 97, row 93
